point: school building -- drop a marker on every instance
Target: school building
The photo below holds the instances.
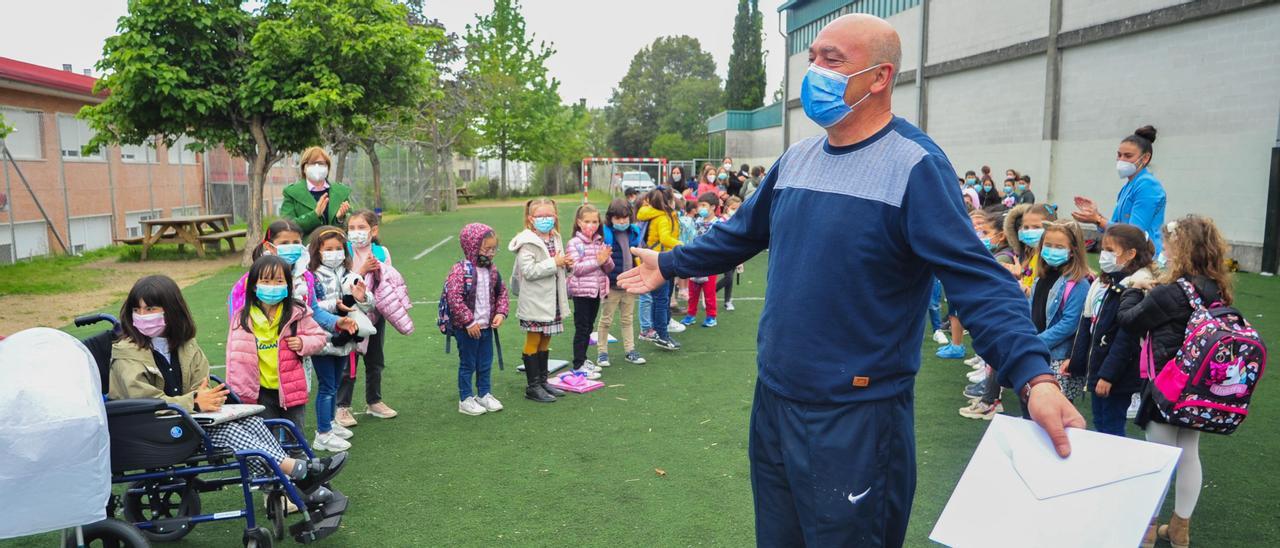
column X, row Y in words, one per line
column 1050, row 87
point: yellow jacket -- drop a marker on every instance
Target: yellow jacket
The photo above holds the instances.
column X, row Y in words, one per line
column 664, row 230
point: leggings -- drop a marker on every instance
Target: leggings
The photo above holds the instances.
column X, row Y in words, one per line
column 536, row 342
column 726, row 282
column 1189, row 477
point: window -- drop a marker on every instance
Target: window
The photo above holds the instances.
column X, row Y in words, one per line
column 133, row 221
column 24, row 142
column 144, row 153
column 465, row 175
column 179, row 147
column 73, row 135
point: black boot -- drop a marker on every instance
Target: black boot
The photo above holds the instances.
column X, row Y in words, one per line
column 534, row 389
column 543, row 358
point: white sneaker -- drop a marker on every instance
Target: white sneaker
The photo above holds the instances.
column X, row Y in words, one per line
column 590, row 373
column 471, row 406
column 728, row 305
column 1134, row 403
column 974, row 362
column 940, row 337
column 329, row 442
column 490, row 403
column 978, row 375
column 675, row 327
column 341, row 431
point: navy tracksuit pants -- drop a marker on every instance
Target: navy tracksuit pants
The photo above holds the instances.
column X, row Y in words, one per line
column 832, row 474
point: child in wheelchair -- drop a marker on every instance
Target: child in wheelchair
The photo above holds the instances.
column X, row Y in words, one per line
column 157, row 357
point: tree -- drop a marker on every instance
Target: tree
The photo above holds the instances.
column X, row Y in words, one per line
column 744, row 87
column 443, row 117
column 520, row 101
column 644, row 94
column 597, row 133
column 262, row 82
column 675, row 146
column 692, row 102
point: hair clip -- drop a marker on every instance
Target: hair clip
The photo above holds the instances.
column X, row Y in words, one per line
column 1051, row 208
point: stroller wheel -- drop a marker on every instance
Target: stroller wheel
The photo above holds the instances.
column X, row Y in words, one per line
column 110, row 533
column 159, row 500
column 276, row 505
column 257, row 538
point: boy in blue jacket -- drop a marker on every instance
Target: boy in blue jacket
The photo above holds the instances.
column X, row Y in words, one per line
column 621, row 235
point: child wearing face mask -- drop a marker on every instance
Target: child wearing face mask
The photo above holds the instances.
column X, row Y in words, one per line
column 722, row 181
column 372, row 262
column 1057, row 299
column 589, row 282
column 1108, row 353
column 620, row 236
column 987, row 405
column 340, row 292
column 283, row 239
column 1023, row 228
column 1009, row 193
column 970, row 190
column 478, row 306
column 707, row 183
column 704, row 288
column 539, row 279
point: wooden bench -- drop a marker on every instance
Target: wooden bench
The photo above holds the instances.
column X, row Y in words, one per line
column 135, row 240
column 464, row 194
column 228, row 235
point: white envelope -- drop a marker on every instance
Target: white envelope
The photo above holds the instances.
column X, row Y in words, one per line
column 1016, row 491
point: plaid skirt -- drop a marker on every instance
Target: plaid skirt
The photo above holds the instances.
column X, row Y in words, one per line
column 246, row 434
column 1073, row 386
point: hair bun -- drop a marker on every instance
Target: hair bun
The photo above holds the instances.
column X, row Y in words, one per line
column 1146, row 132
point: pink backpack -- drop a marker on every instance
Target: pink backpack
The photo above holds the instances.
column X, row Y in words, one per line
column 1208, row 384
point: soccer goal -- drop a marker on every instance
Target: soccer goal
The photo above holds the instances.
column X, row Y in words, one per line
column 615, row 175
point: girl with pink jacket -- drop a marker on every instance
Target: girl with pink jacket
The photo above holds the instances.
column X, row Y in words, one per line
column 268, row 338
column 589, row 282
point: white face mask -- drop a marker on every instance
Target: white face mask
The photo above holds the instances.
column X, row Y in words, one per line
column 358, row 238
column 317, row 173
column 1125, row 169
column 333, row 259
column 1107, row 261
column 728, row 166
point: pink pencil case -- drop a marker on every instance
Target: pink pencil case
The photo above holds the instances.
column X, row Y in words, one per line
column 575, row 381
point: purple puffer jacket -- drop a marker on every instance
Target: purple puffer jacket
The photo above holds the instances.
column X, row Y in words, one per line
column 590, row 278
column 391, row 299
column 462, row 309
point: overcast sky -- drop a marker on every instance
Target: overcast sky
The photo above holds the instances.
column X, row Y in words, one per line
column 594, row 41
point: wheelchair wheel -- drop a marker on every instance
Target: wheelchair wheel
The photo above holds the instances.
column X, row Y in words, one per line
column 258, row 538
column 277, row 504
column 177, row 497
column 110, row 533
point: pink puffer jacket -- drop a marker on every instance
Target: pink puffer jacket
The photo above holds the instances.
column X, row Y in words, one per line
column 242, row 359
column 391, row 299
column 590, row 278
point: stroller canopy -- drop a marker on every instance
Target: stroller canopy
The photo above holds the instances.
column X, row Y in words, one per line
column 55, row 457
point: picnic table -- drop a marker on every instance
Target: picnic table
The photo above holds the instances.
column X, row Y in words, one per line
column 464, row 194
column 195, row 231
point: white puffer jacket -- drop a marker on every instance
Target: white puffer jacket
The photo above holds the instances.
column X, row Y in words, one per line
column 539, row 281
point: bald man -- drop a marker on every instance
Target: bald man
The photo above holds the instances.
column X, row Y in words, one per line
column 857, row 222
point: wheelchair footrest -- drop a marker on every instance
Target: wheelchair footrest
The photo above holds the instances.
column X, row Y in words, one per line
column 170, row 525
column 306, row 533
column 334, row 507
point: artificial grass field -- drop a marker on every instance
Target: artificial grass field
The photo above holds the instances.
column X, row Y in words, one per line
column 658, row 458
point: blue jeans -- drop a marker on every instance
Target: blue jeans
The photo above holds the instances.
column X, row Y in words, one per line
column 935, row 306
column 662, row 309
column 475, row 357
column 646, row 312
column 1108, row 412
column 329, row 373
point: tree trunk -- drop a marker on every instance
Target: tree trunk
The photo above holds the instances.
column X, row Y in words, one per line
column 339, row 162
column 502, row 180
column 258, row 177
column 371, row 148
column 445, row 159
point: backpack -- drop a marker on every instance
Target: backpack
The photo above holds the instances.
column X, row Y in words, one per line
column 444, row 320
column 1208, row 384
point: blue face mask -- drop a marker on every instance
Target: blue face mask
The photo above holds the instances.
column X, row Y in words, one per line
column 544, row 224
column 271, row 294
column 987, row 242
column 1030, row 236
column 1008, row 190
column 822, row 95
column 621, row 226
column 704, row 213
column 1054, row 256
column 987, row 188
column 290, row 252
column 1022, row 188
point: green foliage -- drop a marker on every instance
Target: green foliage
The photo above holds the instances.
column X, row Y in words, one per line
column 5, row 129
column 645, row 94
column 692, row 102
column 519, row 104
column 260, row 81
column 675, row 147
column 744, row 87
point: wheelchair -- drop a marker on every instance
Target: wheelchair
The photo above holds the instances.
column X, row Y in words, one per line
column 167, row 460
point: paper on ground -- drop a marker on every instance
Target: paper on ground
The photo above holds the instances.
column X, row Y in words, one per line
column 1017, row 492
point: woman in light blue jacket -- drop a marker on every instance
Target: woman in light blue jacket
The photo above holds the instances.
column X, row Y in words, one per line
column 1142, row 199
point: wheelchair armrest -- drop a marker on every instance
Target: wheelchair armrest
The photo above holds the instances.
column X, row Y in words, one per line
column 135, row 406
column 231, row 394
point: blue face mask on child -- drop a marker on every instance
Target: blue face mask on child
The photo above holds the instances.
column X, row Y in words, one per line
column 271, row 294
column 290, row 252
column 991, row 246
column 621, row 226
column 544, row 224
column 704, row 213
column 1054, row 256
column 1030, row 236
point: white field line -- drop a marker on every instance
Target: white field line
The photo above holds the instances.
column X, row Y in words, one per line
column 432, row 248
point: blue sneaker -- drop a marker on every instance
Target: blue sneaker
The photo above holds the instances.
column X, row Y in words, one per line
column 975, row 390
column 711, row 322
column 951, row 352
column 602, row 359
column 688, row 320
column 635, row 357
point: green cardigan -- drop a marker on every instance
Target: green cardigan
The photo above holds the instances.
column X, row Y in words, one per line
column 300, row 206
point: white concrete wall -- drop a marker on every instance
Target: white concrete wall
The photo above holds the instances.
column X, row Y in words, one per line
column 905, row 102
column 991, row 111
column 907, row 23
column 960, row 28
column 1077, row 14
column 797, row 65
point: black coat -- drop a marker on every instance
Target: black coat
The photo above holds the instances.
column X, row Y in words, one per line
column 1108, row 351
column 1163, row 312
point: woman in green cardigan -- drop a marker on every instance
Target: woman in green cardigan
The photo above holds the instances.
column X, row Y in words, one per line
column 311, row 201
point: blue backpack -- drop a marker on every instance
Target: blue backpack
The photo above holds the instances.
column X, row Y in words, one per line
column 444, row 320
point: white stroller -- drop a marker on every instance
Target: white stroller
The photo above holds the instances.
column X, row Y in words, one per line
column 55, row 456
